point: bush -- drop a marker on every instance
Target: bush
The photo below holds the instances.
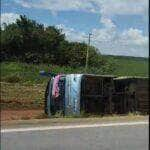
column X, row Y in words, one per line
column 13, row 79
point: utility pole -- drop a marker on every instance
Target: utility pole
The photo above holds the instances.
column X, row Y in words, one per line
column 87, row 53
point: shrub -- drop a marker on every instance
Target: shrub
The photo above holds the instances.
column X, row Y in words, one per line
column 13, row 79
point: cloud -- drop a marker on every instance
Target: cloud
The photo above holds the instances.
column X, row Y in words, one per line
column 107, row 22
column 71, row 34
column 57, row 5
column 108, row 40
column 135, row 36
column 105, row 7
column 130, row 42
column 123, row 7
column 8, row 18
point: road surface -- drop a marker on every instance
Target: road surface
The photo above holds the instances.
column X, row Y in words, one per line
column 109, row 137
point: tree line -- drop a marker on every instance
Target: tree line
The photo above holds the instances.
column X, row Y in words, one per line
column 31, row 42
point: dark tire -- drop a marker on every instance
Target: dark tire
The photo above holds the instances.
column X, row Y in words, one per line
column 46, row 97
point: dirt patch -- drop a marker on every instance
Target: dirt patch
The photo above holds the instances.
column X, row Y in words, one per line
column 22, row 114
column 14, row 104
column 19, row 96
column 70, row 121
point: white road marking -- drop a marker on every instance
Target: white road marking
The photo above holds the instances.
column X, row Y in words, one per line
column 73, row 126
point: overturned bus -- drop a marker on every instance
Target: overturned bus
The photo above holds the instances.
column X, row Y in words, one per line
column 95, row 94
column 132, row 93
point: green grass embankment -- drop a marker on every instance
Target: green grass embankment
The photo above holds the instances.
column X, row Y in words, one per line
column 23, row 87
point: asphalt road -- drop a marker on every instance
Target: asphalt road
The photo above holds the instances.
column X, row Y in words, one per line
column 98, row 138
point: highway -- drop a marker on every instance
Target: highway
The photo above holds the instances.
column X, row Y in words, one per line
column 103, row 137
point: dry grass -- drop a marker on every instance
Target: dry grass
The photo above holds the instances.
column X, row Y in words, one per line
column 65, row 121
column 17, row 96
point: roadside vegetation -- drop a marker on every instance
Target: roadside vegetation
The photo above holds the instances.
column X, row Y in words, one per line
column 28, row 47
column 16, row 72
column 19, row 96
column 130, row 66
column 31, row 42
column 23, row 88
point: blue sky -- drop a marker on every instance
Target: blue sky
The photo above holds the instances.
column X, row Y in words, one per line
column 118, row 27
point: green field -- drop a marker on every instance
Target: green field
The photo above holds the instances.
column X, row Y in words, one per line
column 22, row 87
column 130, row 66
column 15, row 72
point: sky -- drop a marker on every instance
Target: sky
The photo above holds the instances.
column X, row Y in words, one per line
column 118, row 27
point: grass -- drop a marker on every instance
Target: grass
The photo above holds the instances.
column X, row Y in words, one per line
column 64, row 121
column 15, row 72
column 29, row 73
column 19, row 96
column 131, row 67
column 23, row 87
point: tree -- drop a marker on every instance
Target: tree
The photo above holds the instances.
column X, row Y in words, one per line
column 31, row 42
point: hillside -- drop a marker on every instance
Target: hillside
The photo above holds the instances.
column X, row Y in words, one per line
column 130, row 66
column 29, row 73
column 23, row 87
column 28, row 47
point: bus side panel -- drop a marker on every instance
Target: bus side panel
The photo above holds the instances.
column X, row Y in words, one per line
column 72, row 94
